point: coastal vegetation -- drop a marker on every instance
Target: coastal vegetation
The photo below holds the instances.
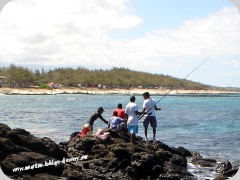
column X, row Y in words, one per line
column 18, row 76
column 45, row 86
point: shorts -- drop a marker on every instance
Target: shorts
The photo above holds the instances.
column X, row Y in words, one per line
column 133, row 129
column 88, row 126
column 150, row 119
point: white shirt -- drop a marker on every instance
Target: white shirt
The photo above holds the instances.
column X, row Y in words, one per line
column 130, row 110
column 149, row 103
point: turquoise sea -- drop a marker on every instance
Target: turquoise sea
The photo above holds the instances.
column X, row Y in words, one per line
column 209, row 125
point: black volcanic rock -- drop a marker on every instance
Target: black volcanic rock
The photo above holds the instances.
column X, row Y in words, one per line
column 20, row 149
column 90, row 158
column 197, row 159
column 119, row 158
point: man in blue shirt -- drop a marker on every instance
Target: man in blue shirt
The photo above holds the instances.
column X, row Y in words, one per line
column 117, row 123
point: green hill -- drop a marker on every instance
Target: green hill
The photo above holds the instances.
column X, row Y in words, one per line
column 113, row 78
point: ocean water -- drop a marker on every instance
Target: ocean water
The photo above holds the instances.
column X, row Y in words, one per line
column 208, row 125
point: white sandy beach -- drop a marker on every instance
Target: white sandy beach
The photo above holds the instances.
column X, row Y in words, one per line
column 36, row 91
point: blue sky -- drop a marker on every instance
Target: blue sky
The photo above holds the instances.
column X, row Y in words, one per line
column 158, row 36
column 169, row 14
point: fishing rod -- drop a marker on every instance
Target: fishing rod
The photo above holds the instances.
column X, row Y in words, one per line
column 140, row 117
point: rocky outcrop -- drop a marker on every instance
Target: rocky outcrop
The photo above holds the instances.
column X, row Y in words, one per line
column 24, row 156
column 197, row 159
column 225, row 169
column 118, row 158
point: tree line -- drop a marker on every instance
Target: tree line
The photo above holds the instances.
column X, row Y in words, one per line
column 18, row 76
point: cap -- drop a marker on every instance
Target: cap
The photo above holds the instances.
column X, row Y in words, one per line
column 100, row 109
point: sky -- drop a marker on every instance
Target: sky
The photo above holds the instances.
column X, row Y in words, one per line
column 170, row 37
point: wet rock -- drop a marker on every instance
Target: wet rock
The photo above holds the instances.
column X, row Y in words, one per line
column 223, row 167
column 226, row 169
column 232, row 172
column 197, row 159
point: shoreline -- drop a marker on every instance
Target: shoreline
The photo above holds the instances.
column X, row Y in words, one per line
column 97, row 91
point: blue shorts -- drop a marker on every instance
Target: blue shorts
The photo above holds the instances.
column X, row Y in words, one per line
column 133, row 129
column 150, row 119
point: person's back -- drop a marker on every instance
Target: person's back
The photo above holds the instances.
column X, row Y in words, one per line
column 132, row 116
column 114, row 122
column 120, row 111
column 131, row 109
column 117, row 123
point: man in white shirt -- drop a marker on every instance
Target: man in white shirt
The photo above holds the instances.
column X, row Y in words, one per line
column 149, row 106
column 132, row 116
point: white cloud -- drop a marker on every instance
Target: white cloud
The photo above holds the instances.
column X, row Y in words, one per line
column 76, row 33
column 217, row 33
column 63, row 30
column 215, row 36
column 233, row 63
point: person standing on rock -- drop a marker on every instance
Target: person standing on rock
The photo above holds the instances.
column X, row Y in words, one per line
column 149, row 106
column 132, row 117
column 89, row 125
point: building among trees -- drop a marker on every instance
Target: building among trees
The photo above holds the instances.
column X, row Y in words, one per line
column 3, row 81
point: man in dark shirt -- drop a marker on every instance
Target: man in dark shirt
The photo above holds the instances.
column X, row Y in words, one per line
column 89, row 125
column 96, row 115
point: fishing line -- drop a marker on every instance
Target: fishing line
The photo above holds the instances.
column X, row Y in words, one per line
column 176, row 106
column 175, row 86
